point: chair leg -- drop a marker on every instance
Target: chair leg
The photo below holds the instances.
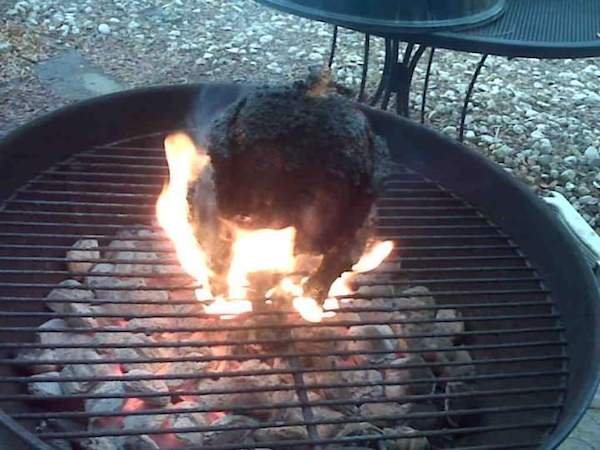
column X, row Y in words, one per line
column 426, row 84
column 465, row 108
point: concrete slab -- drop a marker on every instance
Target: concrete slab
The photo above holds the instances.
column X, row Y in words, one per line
column 72, row 77
column 586, row 436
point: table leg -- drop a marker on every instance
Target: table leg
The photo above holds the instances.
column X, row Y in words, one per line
column 387, row 67
column 363, row 80
column 468, row 95
column 426, row 84
column 396, row 73
column 403, row 93
column 333, row 46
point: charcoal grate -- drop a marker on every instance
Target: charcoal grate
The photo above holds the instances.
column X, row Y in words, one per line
column 511, row 327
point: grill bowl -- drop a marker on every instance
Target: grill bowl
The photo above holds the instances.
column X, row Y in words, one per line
column 566, row 301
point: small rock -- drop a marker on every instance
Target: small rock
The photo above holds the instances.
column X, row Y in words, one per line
column 104, row 28
column 315, row 56
column 5, row 47
column 537, row 134
column 591, row 155
column 265, row 39
column 570, row 160
column 568, row 175
column 588, row 200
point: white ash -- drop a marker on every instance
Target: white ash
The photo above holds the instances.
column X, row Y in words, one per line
column 408, row 443
column 67, row 291
column 371, row 378
column 224, row 437
column 384, row 343
column 185, row 368
column 33, row 355
column 323, row 344
column 46, row 389
column 281, row 434
column 83, row 315
column 402, row 373
column 191, row 419
column 383, row 413
column 141, row 442
column 103, row 443
column 106, row 405
column 87, row 372
column 454, row 329
column 83, row 250
column 49, row 337
column 139, row 353
column 147, row 386
column 463, row 367
column 144, row 421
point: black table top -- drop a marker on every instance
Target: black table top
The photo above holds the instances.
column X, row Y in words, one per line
column 528, row 28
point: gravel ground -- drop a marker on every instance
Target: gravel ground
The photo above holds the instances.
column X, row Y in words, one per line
column 538, row 119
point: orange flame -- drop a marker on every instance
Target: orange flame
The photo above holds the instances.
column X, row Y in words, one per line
column 252, row 250
column 185, row 164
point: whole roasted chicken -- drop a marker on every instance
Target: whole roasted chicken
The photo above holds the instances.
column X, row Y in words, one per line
column 302, row 156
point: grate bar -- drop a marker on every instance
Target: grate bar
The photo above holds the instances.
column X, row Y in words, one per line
column 87, row 362
column 209, row 343
column 280, row 388
column 233, row 374
column 260, row 407
column 380, row 270
column 258, row 327
column 361, row 283
column 151, row 216
column 428, row 433
column 159, row 236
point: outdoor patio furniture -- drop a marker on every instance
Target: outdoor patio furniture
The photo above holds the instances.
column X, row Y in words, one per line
column 545, row 29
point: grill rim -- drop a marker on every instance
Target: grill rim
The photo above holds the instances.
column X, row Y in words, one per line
column 163, row 108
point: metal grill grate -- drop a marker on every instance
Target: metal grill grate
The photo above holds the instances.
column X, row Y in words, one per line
column 512, row 330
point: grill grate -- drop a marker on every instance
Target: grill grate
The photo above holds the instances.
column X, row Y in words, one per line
column 512, row 329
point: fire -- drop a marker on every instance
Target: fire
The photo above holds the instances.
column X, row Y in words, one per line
column 252, row 251
column 258, row 251
column 185, row 165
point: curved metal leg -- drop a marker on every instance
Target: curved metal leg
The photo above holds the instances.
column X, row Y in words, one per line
column 465, row 108
column 403, row 94
column 333, row 46
column 426, row 84
column 387, row 65
column 393, row 73
column 363, row 80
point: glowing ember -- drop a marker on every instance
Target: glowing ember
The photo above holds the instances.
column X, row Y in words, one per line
column 252, row 251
